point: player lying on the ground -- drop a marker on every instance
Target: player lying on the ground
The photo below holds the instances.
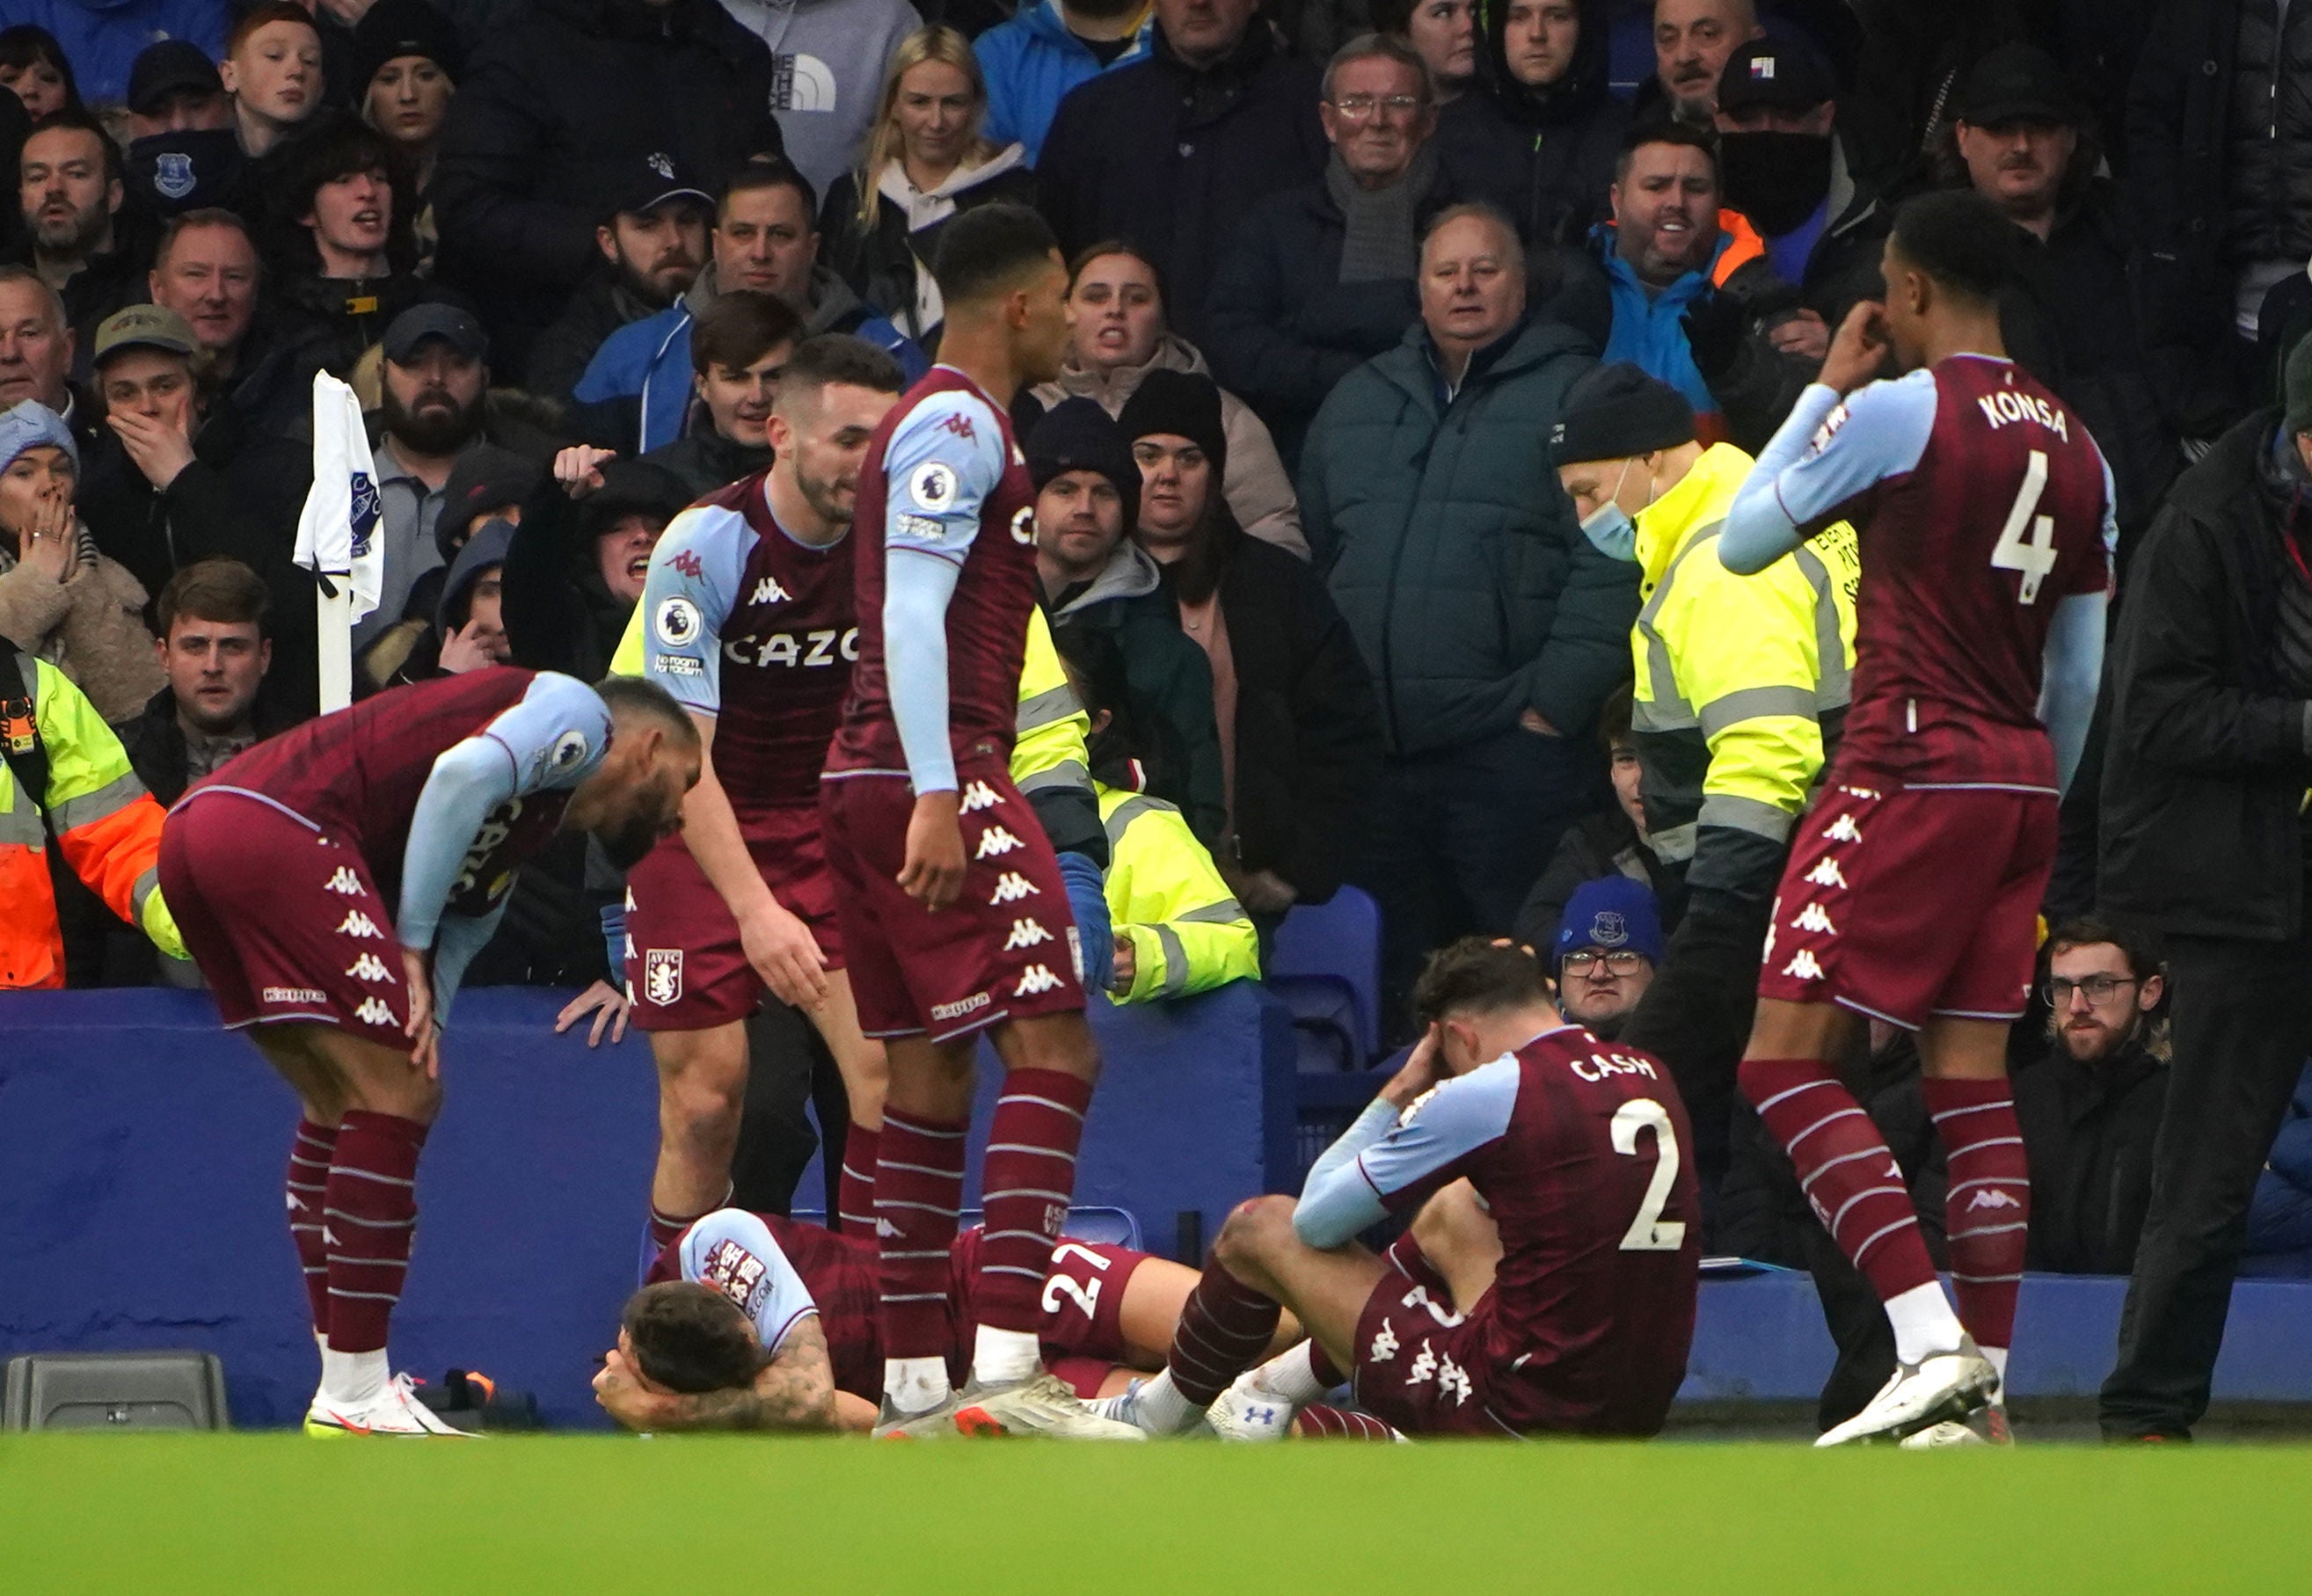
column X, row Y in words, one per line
column 752, row 1321
column 333, row 883
column 1576, row 1148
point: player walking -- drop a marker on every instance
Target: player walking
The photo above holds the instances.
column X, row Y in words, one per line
column 747, row 621
column 1578, row 1149
column 1913, row 888
column 297, row 873
column 952, row 906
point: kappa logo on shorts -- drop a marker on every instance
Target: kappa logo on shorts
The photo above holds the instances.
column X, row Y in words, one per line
column 1384, row 1347
column 1039, row 979
column 1025, row 933
column 369, row 967
column 357, row 923
column 1812, row 918
column 1802, row 965
column 662, row 976
column 374, row 1012
column 1423, row 1367
column 1827, row 874
column 978, row 795
column 1011, row 887
column 1842, row 830
column 996, row 840
column 961, row 1007
column 346, row 882
column 294, row 995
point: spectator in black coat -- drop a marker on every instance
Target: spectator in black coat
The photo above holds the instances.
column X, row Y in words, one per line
column 272, row 68
column 406, row 62
column 1610, row 842
column 2091, row 1110
column 205, row 268
column 575, row 568
column 653, row 240
column 556, row 101
column 1539, row 136
column 341, row 249
column 1319, row 280
column 1169, row 154
column 1299, row 733
column 1444, row 32
column 76, row 236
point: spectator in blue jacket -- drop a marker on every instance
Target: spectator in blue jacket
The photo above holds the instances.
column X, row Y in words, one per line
column 2279, row 1219
column 637, row 389
column 103, row 37
column 1047, row 48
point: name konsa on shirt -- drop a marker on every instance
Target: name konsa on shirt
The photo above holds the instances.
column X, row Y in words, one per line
column 2006, row 405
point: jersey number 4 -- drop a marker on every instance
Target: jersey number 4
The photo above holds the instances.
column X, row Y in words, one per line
column 2035, row 557
column 1650, row 1232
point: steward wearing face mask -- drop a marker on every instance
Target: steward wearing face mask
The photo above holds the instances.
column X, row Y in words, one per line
column 1741, row 682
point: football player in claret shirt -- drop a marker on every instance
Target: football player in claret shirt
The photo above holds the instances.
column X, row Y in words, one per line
column 1912, row 890
column 952, row 906
column 334, row 882
column 747, row 620
column 1577, row 1148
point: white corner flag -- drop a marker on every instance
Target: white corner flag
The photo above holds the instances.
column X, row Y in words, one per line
column 337, row 534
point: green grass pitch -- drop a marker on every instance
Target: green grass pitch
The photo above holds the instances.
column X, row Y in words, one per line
column 764, row 1517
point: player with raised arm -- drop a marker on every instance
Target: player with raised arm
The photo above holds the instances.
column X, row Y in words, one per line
column 333, row 883
column 747, row 620
column 1912, row 888
column 953, row 908
column 1577, row 1148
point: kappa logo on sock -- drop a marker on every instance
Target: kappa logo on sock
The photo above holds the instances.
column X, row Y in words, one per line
column 1803, row 966
column 357, row 923
column 1990, row 1196
column 885, row 1230
column 1039, row 979
column 978, row 795
column 1869, row 794
column 374, row 1012
column 1025, row 933
column 346, row 882
column 1812, row 918
column 1010, row 887
column 996, row 840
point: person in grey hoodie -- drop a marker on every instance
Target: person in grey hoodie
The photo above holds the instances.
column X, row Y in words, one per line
column 829, row 57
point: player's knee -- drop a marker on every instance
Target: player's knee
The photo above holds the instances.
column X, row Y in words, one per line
column 702, row 1110
column 1253, row 1231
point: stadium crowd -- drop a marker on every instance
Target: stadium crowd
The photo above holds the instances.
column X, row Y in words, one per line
column 1374, row 308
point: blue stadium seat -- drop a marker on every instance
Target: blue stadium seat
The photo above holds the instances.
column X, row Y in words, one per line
column 1326, row 966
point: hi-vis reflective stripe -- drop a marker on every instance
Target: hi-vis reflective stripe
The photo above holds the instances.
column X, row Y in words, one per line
column 1834, row 682
column 1750, row 704
column 1754, row 815
column 1668, row 709
column 75, row 812
column 1048, row 709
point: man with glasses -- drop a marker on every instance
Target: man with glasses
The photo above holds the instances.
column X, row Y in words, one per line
column 1609, row 946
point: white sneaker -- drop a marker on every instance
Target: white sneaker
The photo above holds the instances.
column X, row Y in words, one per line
column 395, row 1410
column 1246, row 1412
column 1041, row 1405
column 1944, row 1386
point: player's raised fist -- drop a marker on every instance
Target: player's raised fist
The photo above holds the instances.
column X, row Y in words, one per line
column 1858, row 354
column 932, row 872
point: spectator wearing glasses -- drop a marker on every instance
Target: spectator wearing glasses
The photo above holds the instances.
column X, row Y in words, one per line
column 1319, row 280
column 2091, row 1110
column 1609, row 946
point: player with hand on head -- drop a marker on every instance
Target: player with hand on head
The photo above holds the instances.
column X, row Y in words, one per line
column 953, row 908
column 333, row 883
column 1912, row 888
column 1575, row 1147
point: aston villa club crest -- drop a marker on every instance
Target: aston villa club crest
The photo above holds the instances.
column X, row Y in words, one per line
column 662, row 976
column 173, row 176
column 365, row 510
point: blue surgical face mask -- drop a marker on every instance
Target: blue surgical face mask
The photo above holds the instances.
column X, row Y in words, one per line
column 1609, row 528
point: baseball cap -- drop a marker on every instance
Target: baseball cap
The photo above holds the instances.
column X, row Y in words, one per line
column 1610, row 914
column 1781, row 73
column 647, row 181
column 2016, row 82
column 144, row 327
column 447, row 322
column 172, row 66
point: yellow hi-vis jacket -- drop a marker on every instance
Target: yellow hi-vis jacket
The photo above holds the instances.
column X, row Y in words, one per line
column 1188, row 931
column 105, row 821
column 1739, row 680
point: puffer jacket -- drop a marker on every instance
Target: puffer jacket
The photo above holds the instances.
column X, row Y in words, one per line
column 1452, row 552
column 1255, row 484
column 2269, row 134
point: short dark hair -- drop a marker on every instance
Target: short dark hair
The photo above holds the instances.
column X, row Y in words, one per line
column 691, row 1338
column 2087, row 931
column 1475, row 976
column 328, row 151
column 767, row 172
column 79, row 122
column 1615, row 717
column 208, row 215
column 986, row 249
column 632, row 695
column 836, row 359
column 218, row 590
column 1664, row 130
column 740, row 328
column 1960, row 239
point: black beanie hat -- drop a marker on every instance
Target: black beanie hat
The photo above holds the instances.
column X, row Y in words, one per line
column 392, row 28
column 1077, row 435
column 1186, row 404
column 1615, row 412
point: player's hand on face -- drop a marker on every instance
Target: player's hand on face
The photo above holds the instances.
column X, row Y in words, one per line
column 418, row 975
column 786, row 956
column 579, row 468
column 1858, row 353
column 1423, row 1068
column 933, row 872
column 607, row 1002
column 619, row 1391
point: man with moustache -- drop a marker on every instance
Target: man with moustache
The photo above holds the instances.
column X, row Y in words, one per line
column 1692, row 41
column 653, row 243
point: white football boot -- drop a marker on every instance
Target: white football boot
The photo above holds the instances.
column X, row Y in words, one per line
column 1943, row 1386
column 395, row 1410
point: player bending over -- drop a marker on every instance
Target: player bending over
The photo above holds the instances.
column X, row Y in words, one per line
column 332, row 884
column 952, row 906
column 1575, row 1145
column 1912, row 888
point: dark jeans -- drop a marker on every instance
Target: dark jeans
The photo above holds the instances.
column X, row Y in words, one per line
column 1458, row 836
column 784, row 1056
column 2242, row 1024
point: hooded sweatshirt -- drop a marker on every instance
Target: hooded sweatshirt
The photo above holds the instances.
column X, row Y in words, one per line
column 829, row 57
column 1545, row 154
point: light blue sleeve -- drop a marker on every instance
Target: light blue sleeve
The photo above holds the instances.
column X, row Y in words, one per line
column 458, row 939
column 733, row 1250
column 1824, row 453
column 551, row 740
column 2071, row 672
column 940, row 465
column 692, row 588
column 1436, row 1131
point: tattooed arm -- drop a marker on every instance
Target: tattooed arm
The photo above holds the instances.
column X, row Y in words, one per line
column 795, row 1391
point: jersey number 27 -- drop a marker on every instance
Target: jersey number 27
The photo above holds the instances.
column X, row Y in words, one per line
column 1650, row 1232
column 2035, row 557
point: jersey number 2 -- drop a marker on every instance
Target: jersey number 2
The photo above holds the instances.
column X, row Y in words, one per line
column 1649, row 1231
column 2035, row 557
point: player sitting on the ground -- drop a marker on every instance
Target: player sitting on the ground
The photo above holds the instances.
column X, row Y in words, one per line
column 753, row 1321
column 1575, row 1148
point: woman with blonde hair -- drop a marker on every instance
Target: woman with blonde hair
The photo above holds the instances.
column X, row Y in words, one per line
column 924, row 161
